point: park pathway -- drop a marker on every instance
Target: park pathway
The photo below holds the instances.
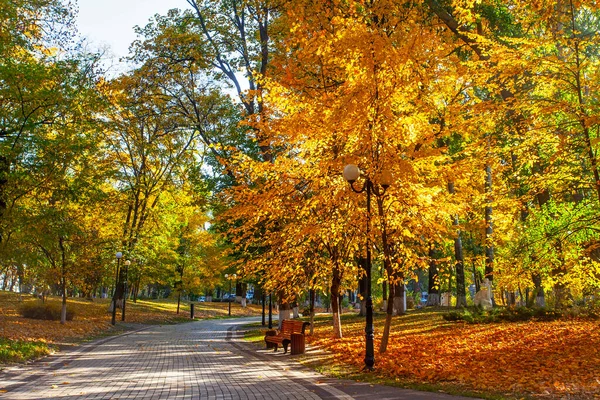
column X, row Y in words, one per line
column 197, row 360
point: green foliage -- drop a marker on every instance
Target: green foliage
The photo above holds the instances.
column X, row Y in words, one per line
column 345, row 302
column 305, row 312
column 19, row 351
column 479, row 316
column 44, row 311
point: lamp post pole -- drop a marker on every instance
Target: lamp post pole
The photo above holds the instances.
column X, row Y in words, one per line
column 351, row 174
column 126, row 263
column 114, row 299
column 369, row 329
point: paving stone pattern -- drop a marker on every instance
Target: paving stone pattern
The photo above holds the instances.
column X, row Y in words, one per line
column 196, row 360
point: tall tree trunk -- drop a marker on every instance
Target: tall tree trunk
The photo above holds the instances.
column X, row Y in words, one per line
column 538, row 294
column 388, row 321
column 63, row 282
column 335, row 302
column 433, row 287
column 561, row 294
column 461, row 292
column 489, row 227
column 63, row 310
column 399, row 300
column 387, row 264
column 311, row 307
column 4, row 170
column 264, row 306
column 285, row 311
column 384, row 285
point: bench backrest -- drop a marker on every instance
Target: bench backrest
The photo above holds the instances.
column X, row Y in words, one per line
column 289, row 326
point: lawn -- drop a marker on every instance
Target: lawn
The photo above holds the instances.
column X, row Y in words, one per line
column 558, row 359
column 24, row 338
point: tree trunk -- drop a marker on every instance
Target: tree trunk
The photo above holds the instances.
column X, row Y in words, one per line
column 335, row 303
column 561, row 292
column 285, row 312
column 538, row 297
column 434, row 281
column 311, row 307
column 388, row 321
column 399, row 300
column 489, row 227
column 4, row 170
column 461, row 292
column 384, row 294
column 63, row 311
column 63, row 281
column 264, row 306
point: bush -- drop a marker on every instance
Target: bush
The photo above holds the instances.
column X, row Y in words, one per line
column 19, row 351
column 345, row 302
column 45, row 311
column 479, row 316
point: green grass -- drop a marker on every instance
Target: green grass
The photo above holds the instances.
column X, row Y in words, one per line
column 19, row 351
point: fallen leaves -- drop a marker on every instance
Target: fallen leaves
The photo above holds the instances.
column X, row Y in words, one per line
column 93, row 318
column 561, row 358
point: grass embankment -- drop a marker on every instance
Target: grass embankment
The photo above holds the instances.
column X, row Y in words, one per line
column 22, row 339
column 557, row 359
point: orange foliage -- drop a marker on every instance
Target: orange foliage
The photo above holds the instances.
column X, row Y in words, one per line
column 559, row 358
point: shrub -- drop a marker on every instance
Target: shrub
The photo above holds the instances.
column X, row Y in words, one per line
column 45, row 311
column 345, row 302
column 457, row 315
column 19, row 351
column 479, row 316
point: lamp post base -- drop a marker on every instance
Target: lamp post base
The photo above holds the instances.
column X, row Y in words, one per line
column 369, row 337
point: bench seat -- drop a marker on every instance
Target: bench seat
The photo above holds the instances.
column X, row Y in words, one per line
column 284, row 336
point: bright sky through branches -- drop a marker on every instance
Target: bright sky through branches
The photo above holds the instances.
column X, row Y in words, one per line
column 109, row 23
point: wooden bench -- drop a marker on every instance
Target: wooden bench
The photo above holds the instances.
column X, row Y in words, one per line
column 284, row 336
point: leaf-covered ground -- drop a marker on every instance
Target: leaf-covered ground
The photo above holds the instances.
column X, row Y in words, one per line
column 92, row 317
column 559, row 359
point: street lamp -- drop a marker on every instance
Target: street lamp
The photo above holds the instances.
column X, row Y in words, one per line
column 230, row 278
column 127, row 263
column 351, row 174
column 114, row 299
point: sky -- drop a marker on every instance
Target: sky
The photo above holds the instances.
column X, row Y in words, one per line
column 109, row 23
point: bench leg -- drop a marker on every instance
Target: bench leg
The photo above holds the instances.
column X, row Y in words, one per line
column 285, row 346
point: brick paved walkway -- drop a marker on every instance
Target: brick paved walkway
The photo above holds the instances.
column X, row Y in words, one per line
column 199, row 360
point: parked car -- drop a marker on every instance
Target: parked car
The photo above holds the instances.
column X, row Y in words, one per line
column 202, row 298
column 228, row 297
